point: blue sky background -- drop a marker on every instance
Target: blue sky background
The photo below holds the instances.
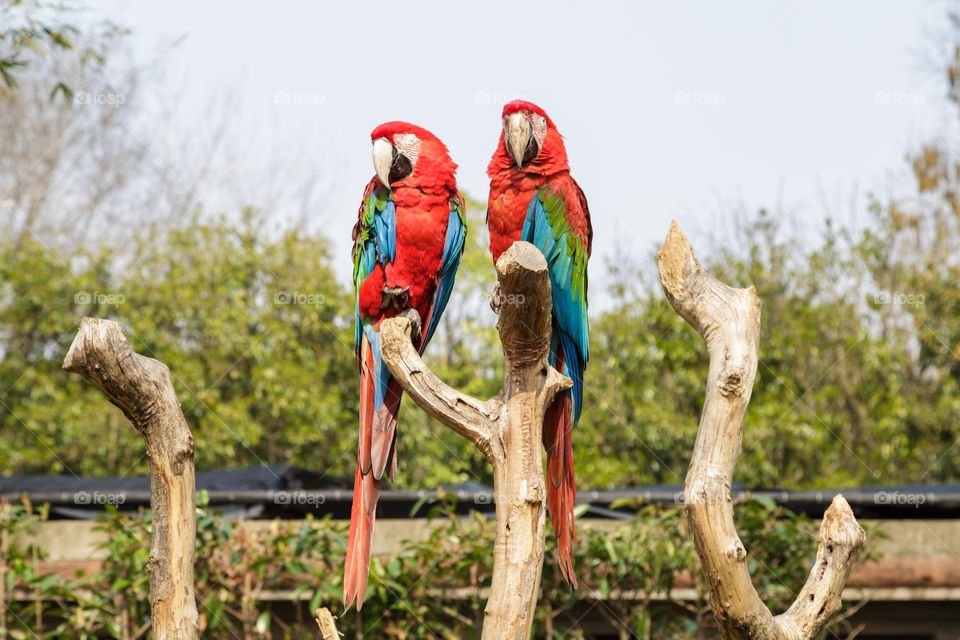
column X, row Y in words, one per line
column 681, row 109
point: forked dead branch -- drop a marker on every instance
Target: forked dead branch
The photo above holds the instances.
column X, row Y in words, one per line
column 728, row 319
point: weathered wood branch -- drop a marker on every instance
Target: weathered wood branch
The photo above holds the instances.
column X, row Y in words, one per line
column 728, row 319
column 471, row 418
column 328, row 626
column 141, row 387
column 506, row 428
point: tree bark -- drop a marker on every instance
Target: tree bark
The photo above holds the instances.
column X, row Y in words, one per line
column 729, row 321
column 328, row 626
column 507, row 429
column 141, row 387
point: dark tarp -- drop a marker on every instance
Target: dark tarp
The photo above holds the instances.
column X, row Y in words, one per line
column 284, row 491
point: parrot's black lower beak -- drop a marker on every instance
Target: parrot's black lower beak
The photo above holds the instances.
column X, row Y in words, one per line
column 395, row 297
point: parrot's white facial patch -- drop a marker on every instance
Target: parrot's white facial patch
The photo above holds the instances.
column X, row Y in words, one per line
column 523, row 136
column 408, row 144
column 539, row 125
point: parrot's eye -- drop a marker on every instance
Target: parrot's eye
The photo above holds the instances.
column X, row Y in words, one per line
column 401, row 167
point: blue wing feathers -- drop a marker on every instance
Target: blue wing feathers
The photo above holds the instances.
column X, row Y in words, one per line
column 379, row 244
column 386, row 233
column 569, row 307
column 380, row 371
column 449, row 264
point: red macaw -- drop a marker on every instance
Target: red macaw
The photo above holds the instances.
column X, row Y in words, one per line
column 407, row 246
column 533, row 198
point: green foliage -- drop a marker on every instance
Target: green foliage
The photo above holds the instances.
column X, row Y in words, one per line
column 49, row 417
column 258, row 335
column 435, row 586
column 19, row 571
column 838, row 401
column 253, row 329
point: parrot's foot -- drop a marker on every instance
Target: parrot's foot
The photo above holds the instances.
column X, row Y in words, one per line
column 395, row 297
column 495, row 298
column 415, row 322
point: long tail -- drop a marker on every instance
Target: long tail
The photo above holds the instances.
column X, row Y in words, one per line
column 376, row 454
column 561, row 481
column 366, row 492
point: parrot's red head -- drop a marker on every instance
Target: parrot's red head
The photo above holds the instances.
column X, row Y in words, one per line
column 529, row 142
column 407, row 155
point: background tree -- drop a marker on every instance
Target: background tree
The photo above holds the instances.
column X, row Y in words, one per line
column 100, row 214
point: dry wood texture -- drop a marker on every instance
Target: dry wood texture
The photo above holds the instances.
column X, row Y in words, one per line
column 142, row 389
column 728, row 319
column 328, row 626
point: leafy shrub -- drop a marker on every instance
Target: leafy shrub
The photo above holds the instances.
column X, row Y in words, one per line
column 248, row 576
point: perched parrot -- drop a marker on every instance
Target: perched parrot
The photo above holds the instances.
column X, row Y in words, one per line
column 408, row 241
column 534, row 198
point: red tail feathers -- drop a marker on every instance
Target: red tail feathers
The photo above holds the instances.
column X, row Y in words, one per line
column 366, row 491
column 561, row 482
column 383, row 433
column 376, row 454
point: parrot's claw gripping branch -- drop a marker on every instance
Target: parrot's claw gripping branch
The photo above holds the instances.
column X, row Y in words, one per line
column 507, row 429
column 141, row 387
column 728, row 319
column 416, row 324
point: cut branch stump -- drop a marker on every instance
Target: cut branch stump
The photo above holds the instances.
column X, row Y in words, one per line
column 141, row 387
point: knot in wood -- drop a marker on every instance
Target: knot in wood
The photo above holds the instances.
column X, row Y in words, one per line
column 737, row 552
column 531, row 492
column 183, row 456
column 731, row 382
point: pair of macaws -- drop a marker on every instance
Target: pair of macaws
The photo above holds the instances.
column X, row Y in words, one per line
column 407, row 246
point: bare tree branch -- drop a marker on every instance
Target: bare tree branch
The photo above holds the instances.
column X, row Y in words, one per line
column 728, row 319
column 471, row 418
column 328, row 626
column 507, row 429
column 142, row 389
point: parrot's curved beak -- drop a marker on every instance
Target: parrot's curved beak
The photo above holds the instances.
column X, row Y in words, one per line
column 383, row 155
column 516, row 135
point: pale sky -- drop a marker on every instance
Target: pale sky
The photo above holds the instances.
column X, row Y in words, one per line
column 669, row 109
